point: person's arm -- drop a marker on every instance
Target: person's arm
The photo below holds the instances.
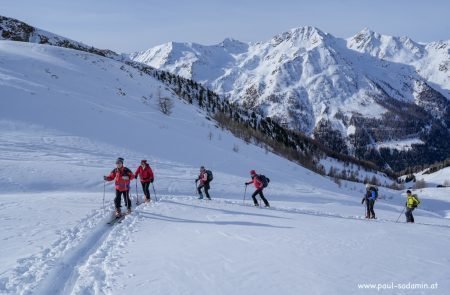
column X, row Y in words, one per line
column 138, row 170
column 130, row 174
column 111, row 176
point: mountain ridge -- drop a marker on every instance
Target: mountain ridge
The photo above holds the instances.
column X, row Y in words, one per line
column 318, row 84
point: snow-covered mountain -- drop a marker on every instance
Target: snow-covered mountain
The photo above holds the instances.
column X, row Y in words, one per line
column 355, row 95
column 244, row 124
column 66, row 115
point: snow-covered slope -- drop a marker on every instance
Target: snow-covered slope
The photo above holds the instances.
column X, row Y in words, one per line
column 16, row 30
column 434, row 179
column 358, row 89
column 66, row 115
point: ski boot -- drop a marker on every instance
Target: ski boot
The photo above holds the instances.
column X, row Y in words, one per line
column 118, row 214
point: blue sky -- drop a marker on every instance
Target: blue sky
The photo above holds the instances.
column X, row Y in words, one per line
column 127, row 26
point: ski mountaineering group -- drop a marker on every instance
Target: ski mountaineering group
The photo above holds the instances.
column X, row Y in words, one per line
column 123, row 177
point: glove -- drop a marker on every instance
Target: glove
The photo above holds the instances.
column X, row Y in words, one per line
column 362, row 201
column 246, row 184
column 196, row 180
column 105, row 178
column 151, row 180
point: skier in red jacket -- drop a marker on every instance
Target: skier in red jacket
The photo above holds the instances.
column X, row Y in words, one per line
column 259, row 185
column 147, row 177
column 122, row 176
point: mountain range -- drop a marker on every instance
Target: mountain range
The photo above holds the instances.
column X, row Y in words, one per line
column 376, row 97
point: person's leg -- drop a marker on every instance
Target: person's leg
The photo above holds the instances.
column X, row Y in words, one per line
column 145, row 188
column 126, row 197
column 117, row 201
column 367, row 208
column 207, row 191
column 200, row 191
column 372, row 204
column 263, row 198
column 408, row 214
column 412, row 216
column 254, row 198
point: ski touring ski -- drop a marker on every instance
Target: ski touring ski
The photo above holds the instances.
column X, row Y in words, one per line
column 116, row 219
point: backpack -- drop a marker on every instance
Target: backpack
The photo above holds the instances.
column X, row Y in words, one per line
column 375, row 191
column 126, row 171
column 416, row 201
column 209, row 175
column 265, row 180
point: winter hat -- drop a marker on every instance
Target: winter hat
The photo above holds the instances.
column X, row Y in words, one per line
column 119, row 160
column 202, row 168
column 252, row 172
column 143, row 161
column 408, row 192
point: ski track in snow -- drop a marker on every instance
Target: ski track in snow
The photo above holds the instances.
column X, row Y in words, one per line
column 57, row 260
column 85, row 260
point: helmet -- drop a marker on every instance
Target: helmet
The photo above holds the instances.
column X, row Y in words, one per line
column 368, row 185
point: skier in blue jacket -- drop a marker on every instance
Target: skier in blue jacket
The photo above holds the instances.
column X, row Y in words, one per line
column 370, row 197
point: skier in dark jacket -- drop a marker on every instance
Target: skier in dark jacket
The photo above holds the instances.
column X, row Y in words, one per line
column 146, row 173
column 370, row 197
column 122, row 176
column 259, row 185
column 204, row 183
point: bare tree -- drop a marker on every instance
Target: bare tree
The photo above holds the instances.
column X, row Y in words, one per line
column 165, row 105
column 420, row 184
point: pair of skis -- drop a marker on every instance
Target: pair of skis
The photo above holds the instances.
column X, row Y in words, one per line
column 117, row 219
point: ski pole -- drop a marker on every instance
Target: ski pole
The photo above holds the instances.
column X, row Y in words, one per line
column 400, row 214
column 104, row 192
column 137, row 195
column 154, row 191
column 245, row 192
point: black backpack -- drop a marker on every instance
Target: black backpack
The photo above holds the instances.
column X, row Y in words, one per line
column 265, row 180
column 209, row 175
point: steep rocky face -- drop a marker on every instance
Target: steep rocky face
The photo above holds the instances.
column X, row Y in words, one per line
column 354, row 95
